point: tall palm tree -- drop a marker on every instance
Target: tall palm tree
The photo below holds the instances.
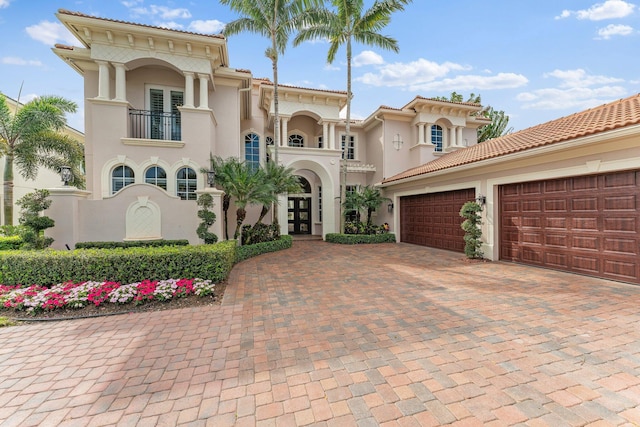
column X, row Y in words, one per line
column 223, row 170
column 350, row 22
column 30, row 138
column 275, row 19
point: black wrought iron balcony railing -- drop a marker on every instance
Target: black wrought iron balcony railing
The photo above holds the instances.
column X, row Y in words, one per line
column 155, row 125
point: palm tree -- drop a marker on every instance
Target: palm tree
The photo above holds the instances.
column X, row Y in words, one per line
column 283, row 181
column 30, row 138
column 247, row 186
column 275, row 19
column 222, row 169
column 371, row 200
column 350, row 22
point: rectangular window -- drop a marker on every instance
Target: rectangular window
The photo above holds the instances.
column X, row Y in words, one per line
column 320, row 203
column 163, row 119
column 351, row 215
column 320, row 142
column 351, row 147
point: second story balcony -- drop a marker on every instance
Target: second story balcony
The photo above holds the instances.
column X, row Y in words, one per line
column 147, row 124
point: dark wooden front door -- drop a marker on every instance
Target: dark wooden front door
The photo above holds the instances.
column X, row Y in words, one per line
column 299, row 215
column 434, row 219
column 585, row 224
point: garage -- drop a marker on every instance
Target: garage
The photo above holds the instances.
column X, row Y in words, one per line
column 585, row 224
column 434, row 219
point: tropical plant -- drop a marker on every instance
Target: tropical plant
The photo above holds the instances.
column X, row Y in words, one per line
column 32, row 205
column 350, row 22
column 275, row 19
column 30, row 138
column 223, row 171
column 354, row 201
column 283, row 181
column 471, row 226
column 371, row 200
column 205, row 201
column 499, row 120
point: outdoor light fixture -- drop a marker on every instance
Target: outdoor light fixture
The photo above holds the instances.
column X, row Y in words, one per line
column 390, row 207
column 397, row 142
column 481, row 200
column 211, row 178
column 66, row 175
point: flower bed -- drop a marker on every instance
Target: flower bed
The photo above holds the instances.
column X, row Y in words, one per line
column 35, row 299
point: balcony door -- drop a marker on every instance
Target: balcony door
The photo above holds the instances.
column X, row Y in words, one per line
column 165, row 122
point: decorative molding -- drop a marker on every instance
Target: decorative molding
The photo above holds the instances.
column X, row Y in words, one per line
column 142, row 142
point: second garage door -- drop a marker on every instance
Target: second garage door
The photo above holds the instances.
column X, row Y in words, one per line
column 587, row 224
column 434, row 219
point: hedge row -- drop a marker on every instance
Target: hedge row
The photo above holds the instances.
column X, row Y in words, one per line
column 248, row 251
column 131, row 244
column 10, row 243
column 131, row 265
column 354, row 239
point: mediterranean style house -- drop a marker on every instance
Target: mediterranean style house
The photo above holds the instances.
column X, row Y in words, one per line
column 45, row 177
column 563, row 194
column 158, row 102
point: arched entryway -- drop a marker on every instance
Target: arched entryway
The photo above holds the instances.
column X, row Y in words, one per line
column 299, row 209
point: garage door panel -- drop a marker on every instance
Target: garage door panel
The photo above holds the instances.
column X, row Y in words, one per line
column 587, row 224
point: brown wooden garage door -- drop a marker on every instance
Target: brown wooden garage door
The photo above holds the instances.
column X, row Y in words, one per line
column 587, row 224
column 434, row 219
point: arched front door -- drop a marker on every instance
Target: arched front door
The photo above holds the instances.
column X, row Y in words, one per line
column 299, row 210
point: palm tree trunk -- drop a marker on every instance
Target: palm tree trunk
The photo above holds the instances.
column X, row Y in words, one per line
column 8, row 190
column 276, row 113
column 241, row 214
column 226, row 201
column 345, row 150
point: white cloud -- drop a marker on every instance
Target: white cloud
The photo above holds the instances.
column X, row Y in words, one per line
column 580, row 78
column 4, row 3
column 211, row 26
column 367, row 57
column 132, row 3
column 161, row 12
column 403, row 74
column 610, row 9
column 170, row 25
column 614, row 30
column 12, row 60
column 331, row 67
column 576, row 90
column 474, row 82
column 51, row 33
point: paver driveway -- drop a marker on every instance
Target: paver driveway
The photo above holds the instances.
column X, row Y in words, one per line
column 323, row 334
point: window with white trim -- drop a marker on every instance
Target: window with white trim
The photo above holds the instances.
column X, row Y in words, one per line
column 165, row 121
column 351, row 147
column 252, row 150
column 187, row 183
column 121, row 176
column 436, row 137
column 296, row 140
column 156, row 175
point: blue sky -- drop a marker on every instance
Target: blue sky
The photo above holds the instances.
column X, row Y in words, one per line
column 536, row 60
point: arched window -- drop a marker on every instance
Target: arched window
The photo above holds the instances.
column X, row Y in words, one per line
column 296, row 140
column 121, row 176
column 304, row 183
column 269, row 143
column 157, row 176
column 252, row 150
column 436, row 137
column 187, row 182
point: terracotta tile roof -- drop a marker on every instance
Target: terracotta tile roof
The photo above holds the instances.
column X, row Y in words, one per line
column 472, row 104
column 270, row 83
column 606, row 117
column 82, row 15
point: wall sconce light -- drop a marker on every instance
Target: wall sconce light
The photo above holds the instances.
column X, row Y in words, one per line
column 390, row 207
column 66, row 175
column 481, row 200
column 397, row 142
column 211, row 178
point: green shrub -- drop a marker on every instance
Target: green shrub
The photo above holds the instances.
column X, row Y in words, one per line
column 205, row 201
column 354, row 239
column 130, row 265
column 471, row 226
column 249, row 251
column 10, row 243
column 11, row 230
column 31, row 207
column 260, row 233
column 131, row 244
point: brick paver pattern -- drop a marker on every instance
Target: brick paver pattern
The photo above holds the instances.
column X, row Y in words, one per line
column 332, row 335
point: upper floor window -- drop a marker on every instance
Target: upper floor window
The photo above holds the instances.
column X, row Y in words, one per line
column 436, row 137
column 320, row 142
column 187, row 182
column 268, row 141
column 121, row 176
column 296, row 140
column 164, row 117
column 157, row 176
column 252, row 150
column 351, row 147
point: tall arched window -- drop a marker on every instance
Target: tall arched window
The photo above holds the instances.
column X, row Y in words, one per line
column 436, row 137
column 121, row 176
column 252, row 150
column 296, row 140
column 157, row 176
column 187, row 182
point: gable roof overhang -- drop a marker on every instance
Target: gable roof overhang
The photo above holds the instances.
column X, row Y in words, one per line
column 597, row 125
column 334, row 98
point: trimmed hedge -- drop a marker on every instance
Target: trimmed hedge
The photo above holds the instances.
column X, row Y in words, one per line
column 131, row 265
column 131, row 244
column 355, row 239
column 249, row 251
column 10, row 243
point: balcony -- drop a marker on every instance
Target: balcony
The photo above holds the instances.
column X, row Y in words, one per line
column 145, row 124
